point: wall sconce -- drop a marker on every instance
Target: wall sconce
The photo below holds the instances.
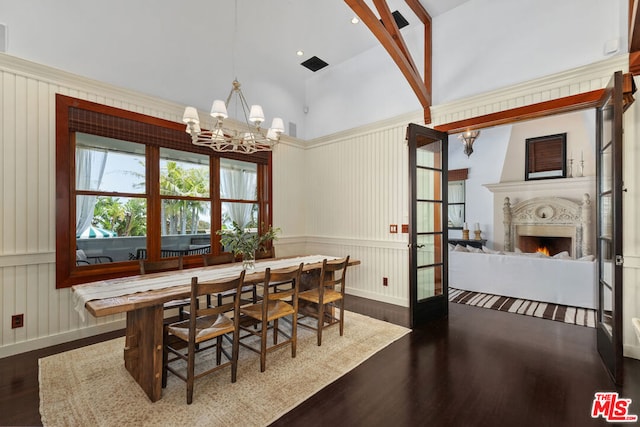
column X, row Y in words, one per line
column 467, row 139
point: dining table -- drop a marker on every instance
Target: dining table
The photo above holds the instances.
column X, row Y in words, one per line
column 142, row 298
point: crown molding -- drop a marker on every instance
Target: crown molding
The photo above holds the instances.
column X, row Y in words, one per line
column 582, row 79
column 153, row 106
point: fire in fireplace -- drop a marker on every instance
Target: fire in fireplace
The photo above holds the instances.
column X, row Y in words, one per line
column 553, row 245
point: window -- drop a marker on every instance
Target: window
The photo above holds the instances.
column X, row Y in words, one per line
column 456, row 188
column 546, row 157
column 130, row 186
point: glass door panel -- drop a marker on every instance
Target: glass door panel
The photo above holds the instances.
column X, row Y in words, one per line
column 428, row 260
column 609, row 227
column 429, row 282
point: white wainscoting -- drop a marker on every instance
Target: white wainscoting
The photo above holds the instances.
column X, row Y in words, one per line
column 27, row 201
column 378, row 259
column 352, row 185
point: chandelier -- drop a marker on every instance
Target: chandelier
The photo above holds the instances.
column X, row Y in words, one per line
column 247, row 138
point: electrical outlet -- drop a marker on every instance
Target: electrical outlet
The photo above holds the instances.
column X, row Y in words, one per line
column 393, row 228
column 405, row 228
column 385, row 281
column 17, row 321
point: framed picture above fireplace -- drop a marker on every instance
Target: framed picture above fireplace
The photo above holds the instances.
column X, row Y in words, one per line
column 546, row 157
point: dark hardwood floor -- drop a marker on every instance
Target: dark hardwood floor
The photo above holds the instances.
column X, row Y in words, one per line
column 479, row 367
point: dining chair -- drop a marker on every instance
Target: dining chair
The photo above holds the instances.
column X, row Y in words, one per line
column 273, row 306
column 266, row 253
column 147, row 267
column 226, row 258
column 209, row 324
column 326, row 297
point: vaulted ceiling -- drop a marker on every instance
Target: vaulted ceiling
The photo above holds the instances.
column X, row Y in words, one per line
column 190, row 51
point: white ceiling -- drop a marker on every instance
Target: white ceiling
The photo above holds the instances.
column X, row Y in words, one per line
column 190, row 51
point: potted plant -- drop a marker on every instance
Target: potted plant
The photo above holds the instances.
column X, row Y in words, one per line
column 245, row 241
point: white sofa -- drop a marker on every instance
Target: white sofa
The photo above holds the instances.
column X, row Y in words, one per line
column 560, row 281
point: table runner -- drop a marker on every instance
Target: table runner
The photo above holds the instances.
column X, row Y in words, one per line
column 128, row 285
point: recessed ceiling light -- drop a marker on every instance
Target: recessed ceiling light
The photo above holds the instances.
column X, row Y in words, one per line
column 299, row 53
column 355, row 20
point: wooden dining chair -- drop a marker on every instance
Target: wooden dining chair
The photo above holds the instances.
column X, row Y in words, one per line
column 272, row 307
column 147, row 267
column 209, row 324
column 212, row 259
column 328, row 296
column 266, row 253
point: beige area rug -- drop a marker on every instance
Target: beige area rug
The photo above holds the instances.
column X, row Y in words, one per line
column 90, row 386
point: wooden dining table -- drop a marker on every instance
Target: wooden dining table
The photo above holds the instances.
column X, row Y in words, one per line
column 142, row 298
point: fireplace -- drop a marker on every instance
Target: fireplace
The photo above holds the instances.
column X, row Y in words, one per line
column 559, row 224
column 548, row 245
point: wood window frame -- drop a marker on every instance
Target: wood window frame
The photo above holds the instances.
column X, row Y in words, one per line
column 76, row 115
column 458, row 175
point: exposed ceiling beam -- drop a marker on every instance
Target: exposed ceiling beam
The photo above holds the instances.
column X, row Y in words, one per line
column 424, row 16
column 392, row 28
column 634, row 26
column 391, row 39
column 534, row 111
column 634, row 37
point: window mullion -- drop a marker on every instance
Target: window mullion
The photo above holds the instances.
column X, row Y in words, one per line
column 153, row 202
column 216, row 203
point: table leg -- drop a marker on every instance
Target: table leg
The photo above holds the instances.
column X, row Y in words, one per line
column 143, row 349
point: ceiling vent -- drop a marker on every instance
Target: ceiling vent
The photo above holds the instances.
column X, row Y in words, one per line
column 401, row 21
column 314, row 64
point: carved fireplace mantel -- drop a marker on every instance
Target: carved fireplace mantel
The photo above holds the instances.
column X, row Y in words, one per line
column 549, row 216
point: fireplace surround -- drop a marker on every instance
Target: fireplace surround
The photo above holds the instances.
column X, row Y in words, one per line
column 562, row 223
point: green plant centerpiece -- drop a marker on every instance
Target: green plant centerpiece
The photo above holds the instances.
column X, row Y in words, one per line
column 246, row 241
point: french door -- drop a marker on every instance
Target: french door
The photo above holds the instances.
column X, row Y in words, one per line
column 609, row 226
column 428, row 276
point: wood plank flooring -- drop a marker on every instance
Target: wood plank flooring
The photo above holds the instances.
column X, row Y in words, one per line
column 478, row 368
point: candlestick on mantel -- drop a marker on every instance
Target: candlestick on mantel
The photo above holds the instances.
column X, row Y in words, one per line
column 477, row 228
column 478, row 233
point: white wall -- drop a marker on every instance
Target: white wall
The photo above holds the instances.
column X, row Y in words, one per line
column 484, row 45
column 631, row 226
column 353, row 185
column 580, row 129
column 484, row 167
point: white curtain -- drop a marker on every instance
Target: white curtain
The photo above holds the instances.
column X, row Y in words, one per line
column 90, row 164
column 456, row 213
column 241, row 185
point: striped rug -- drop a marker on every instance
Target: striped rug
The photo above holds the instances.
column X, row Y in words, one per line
column 560, row 313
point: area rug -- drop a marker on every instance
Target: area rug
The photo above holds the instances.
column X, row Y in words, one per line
column 560, row 313
column 90, row 385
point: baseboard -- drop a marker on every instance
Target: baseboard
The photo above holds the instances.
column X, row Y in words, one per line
column 377, row 297
column 632, row 351
column 48, row 341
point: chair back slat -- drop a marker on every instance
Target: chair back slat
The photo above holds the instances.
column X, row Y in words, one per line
column 223, row 258
column 328, row 273
column 264, row 254
column 212, row 287
column 282, row 277
column 147, row 267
